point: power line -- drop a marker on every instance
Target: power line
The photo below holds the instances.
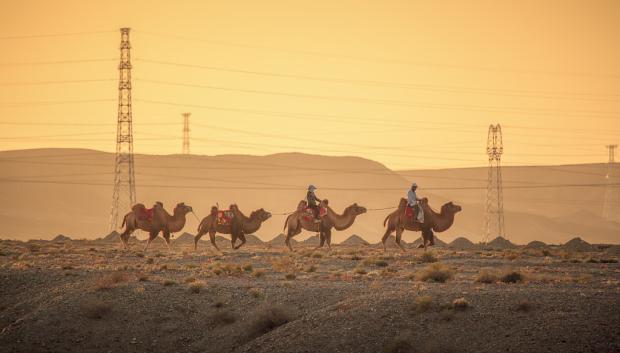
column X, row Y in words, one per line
column 54, row 62
column 49, row 35
column 32, row 83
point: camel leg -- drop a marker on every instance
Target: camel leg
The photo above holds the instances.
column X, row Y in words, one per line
column 125, row 238
column 388, row 231
column 212, row 238
column 399, row 235
column 197, row 239
column 152, row 235
column 242, row 237
column 167, row 239
column 321, row 241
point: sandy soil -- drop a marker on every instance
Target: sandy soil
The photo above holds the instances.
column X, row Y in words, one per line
column 93, row 297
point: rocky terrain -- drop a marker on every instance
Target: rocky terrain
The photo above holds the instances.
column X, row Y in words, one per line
column 89, row 296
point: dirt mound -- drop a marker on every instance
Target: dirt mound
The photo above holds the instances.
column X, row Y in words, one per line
column 253, row 239
column 61, row 239
column 462, row 243
column 279, row 240
column 613, row 250
column 312, row 240
column 110, row 238
column 185, row 238
column 578, row 244
column 536, row 244
column 500, row 243
column 354, row 240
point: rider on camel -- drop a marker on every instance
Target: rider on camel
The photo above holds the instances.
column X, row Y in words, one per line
column 412, row 201
column 312, row 202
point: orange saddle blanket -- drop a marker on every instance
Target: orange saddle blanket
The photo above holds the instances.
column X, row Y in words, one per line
column 146, row 214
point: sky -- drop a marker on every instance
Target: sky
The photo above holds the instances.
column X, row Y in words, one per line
column 411, row 84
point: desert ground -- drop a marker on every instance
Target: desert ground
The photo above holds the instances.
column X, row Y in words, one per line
column 90, row 296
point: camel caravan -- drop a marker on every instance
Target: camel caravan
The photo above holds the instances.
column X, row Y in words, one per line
column 312, row 214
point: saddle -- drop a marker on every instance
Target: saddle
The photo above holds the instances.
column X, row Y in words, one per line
column 143, row 213
column 412, row 213
column 308, row 212
column 225, row 217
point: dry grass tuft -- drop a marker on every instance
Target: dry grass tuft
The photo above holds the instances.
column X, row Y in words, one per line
column 223, row 317
column 290, row 276
column 360, row 271
column 169, row 282
column 258, row 273
column 460, row 304
column 524, row 306
column 110, row 281
column 423, row 303
column 267, row 319
column 149, row 261
column 256, row 292
column 247, row 267
column 143, row 277
column 436, row 272
column 486, row 276
column 189, row 279
column 196, row 287
column 96, row 309
column 311, row 268
column 512, row 276
column 428, row 257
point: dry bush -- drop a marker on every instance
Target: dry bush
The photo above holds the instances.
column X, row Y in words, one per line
column 258, row 273
column 436, row 272
column 524, row 306
column 460, row 304
column 317, row 255
column 149, row 260
column 189, row 279
column 290, row 276
column 247, row 267
column 311, row 268
column 96, row 309
column 355, row 258
column 512, row 276
column 219, row 303
column 360, row 271
column 487, row 276
column 608, row 261
column 143, row 277
column 428, row 257
column 267, row 319
column 169, row 282
column 374, row 261
column 109, row 281
column 223, row 317
column 256, row 292
column 139, row 290
column 196, row 286
column 423, row 303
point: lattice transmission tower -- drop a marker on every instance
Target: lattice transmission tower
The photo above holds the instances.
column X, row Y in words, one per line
column 186, row 132
column 611, row 206
column 124, row 194
column 494, row 218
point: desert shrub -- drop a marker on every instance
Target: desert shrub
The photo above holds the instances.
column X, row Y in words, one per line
column 267, row 319
column 290, row 276
column 247, row 267
column 219, row 303
column 223, row 317
column 150, row 260
column 317, row 255
column 512, row 276
column 381, row 263
column 428, row 257
column 423, row 303
column 96, row 309
column 460, row 304
column 189, row 279
column 592, row 260
column 196, row 286
column 355, row 258
column 486, row 276
column 399, row 344
column 217, row 271
column 436, row 272
column 256, row 292
column 311, row 268
column 258, row 273
column 109, row 281
column 524, row 306
column 169, row 282
column 143, row 278
column 546, row 252
column 608, row 261
column 360, row 271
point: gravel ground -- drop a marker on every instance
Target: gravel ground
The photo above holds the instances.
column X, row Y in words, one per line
column 93, row 297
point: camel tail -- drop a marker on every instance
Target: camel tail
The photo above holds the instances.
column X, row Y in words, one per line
column 286, row 222
column 124, row 221
column 385, row 220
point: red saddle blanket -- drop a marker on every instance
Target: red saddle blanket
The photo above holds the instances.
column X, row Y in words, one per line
column 146, row 214
column 409, row 212
column 308, row 213
column 225, row 217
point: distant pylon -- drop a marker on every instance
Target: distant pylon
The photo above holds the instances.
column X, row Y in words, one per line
column 494, row 218
column 124, row 195
column 186, row 132
column 611, row 206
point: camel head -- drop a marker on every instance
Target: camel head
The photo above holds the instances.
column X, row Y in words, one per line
column 451, row 208
column 261, row 214
column 182, row 208
column 356, row 209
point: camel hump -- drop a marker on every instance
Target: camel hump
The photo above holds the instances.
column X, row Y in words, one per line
column 138, row 208
column 214, row 210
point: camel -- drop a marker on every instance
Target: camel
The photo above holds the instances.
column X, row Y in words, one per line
column 162, row 222
column 240, row 226
column 297, row 221
column 433, row 221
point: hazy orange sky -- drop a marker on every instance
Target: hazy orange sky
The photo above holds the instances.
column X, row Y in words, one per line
column 412, row 84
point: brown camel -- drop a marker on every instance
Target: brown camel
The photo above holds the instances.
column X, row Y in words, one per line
column 137, row 219
column 162, row 222
column 433, row 221
column 297, row 221
column 239, row 226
